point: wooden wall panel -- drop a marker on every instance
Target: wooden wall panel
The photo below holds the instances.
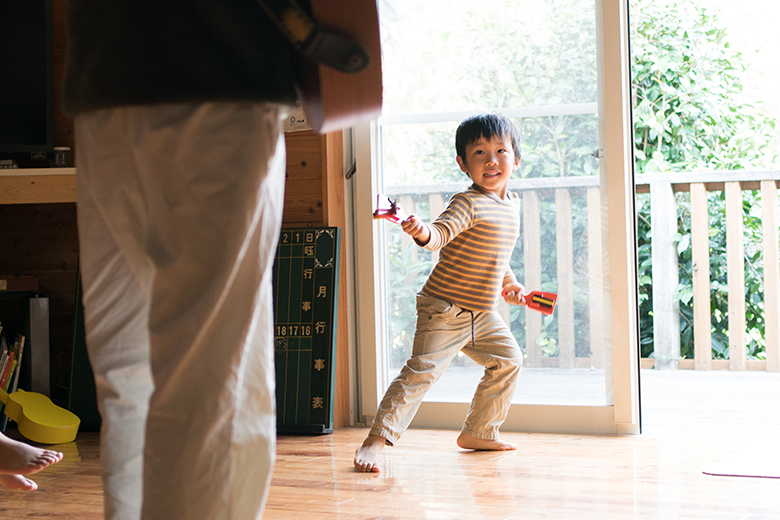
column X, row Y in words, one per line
column 303, row 197
column 39, row 237
column 41, row 240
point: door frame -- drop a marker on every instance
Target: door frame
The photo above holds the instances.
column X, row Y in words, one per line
column 622, row 415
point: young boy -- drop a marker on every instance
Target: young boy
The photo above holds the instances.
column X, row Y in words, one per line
column 456, row 308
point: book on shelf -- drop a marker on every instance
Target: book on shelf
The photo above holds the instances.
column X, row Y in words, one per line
column 3, row 355
column 13, row 349
column 7, row 369
column 15, row 382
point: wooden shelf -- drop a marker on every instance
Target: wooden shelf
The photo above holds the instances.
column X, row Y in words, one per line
column 37, row 185
column 9, row 284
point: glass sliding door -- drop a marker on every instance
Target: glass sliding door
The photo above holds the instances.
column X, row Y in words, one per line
column 541, row 63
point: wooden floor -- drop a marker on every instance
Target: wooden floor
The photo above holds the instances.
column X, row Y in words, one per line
column 690, row 422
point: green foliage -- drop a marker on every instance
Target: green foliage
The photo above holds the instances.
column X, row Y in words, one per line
column 690, row 115
column 406, row 275
column 549, row 62
column 645, row 273
column 689, row 111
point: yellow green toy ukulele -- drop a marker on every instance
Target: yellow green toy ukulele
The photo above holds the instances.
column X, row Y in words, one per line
column 39, row 419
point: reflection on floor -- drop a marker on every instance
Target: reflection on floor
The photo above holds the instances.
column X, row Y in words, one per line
column 534, row 386
column 691, row 420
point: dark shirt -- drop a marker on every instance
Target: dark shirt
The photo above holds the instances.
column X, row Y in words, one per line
column 144, row 52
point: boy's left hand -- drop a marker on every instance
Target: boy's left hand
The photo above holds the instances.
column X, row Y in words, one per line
column 513, row 293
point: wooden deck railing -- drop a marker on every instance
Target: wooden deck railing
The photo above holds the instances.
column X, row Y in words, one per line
column 665, row 304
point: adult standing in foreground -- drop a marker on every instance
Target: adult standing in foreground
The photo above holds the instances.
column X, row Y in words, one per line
column 180, row 159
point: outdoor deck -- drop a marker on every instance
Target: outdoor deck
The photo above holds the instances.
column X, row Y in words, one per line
column 744, row 406
column 715, row 402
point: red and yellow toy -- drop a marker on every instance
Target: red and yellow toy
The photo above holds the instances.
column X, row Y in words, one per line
column 541, row 301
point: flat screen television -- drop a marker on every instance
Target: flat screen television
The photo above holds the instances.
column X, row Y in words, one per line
column 26, row 84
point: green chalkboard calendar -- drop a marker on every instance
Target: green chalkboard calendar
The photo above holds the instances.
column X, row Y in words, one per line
column 306, row 275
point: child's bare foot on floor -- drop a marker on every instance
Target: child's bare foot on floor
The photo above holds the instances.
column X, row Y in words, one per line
column 18, row 483
column 467, row 442
column 18, row 458
column 367, row 455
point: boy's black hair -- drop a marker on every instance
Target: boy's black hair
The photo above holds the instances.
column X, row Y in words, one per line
column 486, row 125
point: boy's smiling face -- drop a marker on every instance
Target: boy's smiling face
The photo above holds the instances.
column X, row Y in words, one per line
column 490, row 163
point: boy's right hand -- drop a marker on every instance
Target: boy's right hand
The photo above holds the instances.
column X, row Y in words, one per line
column 513, row 293
column 417, row 229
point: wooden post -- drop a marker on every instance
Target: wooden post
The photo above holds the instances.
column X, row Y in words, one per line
column 700, row 245
column 409, row 207
column 504, row 309
column 595, row 279
column 437, row 206
column 334, row 214
column 565, row 256
column 771, row 275
column 666, row 307
column 532, row 238
column 735, row 263
column 436, row 203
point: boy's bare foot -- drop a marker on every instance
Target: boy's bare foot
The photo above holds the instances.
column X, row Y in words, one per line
column 18, row 483
column 467, row 442
column 367, row 455
column 18, row 458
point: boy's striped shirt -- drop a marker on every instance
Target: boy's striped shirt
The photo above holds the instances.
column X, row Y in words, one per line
column 475, row 236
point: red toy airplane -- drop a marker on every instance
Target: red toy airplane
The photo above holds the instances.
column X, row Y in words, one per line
column 389, row 210
column 541, row 301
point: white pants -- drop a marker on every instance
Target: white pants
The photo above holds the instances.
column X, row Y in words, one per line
column 179, row 211
column 443, row 330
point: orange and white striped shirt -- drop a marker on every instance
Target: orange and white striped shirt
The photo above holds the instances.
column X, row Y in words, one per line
column 475, row 236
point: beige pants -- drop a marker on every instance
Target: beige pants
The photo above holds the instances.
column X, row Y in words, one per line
column 443, row 330
column 179, row 211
